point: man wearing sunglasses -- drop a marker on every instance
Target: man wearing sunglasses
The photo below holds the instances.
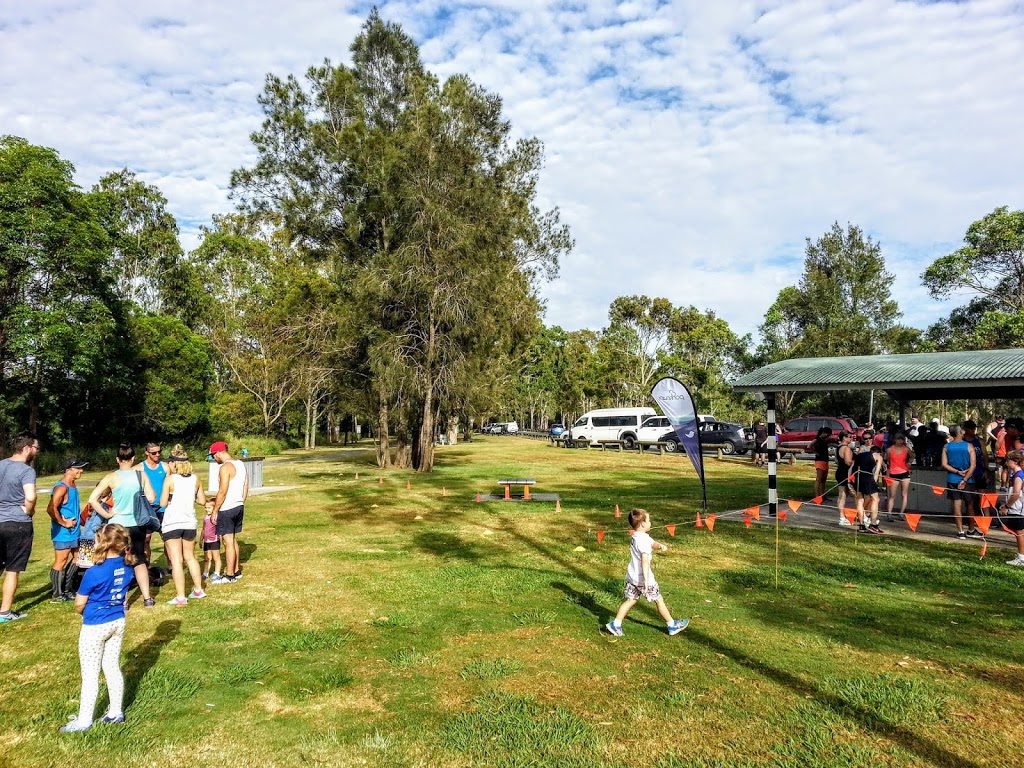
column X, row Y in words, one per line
column 156, row 471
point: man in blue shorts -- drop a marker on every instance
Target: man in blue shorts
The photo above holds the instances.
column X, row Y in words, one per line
column 229, row 509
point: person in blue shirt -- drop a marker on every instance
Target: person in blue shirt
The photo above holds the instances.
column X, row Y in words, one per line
column 65, row 511
column 101, row 601
column 156, row 470
column 959, row 461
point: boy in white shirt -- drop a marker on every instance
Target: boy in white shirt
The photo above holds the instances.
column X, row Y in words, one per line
column 640, row 580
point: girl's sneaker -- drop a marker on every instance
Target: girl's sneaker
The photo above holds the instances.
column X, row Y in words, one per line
column 197, row 594
column 113, row 719
column 615, row 631
column 205, row 576
column 75, row 727
column 178, row 601
column 678, row 626
column 149, row 602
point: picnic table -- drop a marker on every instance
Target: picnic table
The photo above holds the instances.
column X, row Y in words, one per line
column 524, row 482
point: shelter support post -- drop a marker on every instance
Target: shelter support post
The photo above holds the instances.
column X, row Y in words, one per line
column 773, row 456
column 903, row 415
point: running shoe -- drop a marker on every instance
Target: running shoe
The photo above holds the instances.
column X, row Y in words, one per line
column 1017, row 561
column 178, row 601
column 613, row 630
column 112, row 719
column 12, row 616
column 974, row 533
column 961, row 534
column 678, row 626
column 149, row 602
column 218, row 579
column 59, row 599
column 875, row 529
column 844, row 521
column 75, row 727
column 237, row 576
column 197, row 594
column 862, row 528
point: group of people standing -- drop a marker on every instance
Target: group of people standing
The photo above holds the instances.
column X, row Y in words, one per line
column 861, row 464
column 110, row 539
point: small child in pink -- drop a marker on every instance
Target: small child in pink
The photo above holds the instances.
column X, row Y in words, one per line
column 211, row 544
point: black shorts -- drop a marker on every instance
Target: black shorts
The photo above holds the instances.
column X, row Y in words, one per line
column 211, row 546
column 15, row 546
column 137, row 535
column 229, row 521
column 900, row 476
column 865, row 484
column 954, row 493
column 844, row 481
column 183, row 534
column 1014, row 522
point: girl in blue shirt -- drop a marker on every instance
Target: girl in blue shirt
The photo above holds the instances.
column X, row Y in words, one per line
column 101, row 601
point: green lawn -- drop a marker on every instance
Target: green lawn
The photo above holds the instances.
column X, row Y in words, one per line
column 363, row 636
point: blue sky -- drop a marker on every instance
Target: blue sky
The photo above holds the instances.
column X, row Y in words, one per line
column 691, row 146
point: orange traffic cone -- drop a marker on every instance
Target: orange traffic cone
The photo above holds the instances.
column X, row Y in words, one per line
column 444, row 491
column 380, row 481
column 478, row 497
column 357, row 475
column 408, row 485
column 700, row 523
column 617, row 512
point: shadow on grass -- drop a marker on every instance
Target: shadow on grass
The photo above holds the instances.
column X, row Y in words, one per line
column 868, row 720
column 144, row 656
column 447, row 545
column 246, row 550
column 601, row 613
column 38, row 597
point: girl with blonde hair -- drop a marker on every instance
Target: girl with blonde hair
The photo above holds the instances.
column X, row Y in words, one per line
column 101, row 601
column 181, row 492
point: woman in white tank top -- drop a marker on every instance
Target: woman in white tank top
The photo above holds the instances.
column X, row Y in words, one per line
column 182, row 491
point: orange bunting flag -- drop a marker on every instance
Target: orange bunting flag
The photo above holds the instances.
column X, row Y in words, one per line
column 746, row 520
column 755, row 513
column 984, row 548
column 711, row 522
column 752, row 511
column 889, row 481
column 912, row 520
column 937, row 490
column 671, row 529
column 850, row 514
column 818, row 500
column 794, row 505
column 851, row 479
column 700, row 523
column 983, row 522
column 989, row 500
column 782, row 515
column 617, row 512
column 600, row 536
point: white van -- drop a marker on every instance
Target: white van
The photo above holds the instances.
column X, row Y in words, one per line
column 609, row 424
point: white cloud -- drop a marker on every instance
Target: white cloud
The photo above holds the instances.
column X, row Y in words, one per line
column 691, row 146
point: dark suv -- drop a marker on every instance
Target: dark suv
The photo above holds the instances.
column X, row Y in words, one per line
column 731, row 438
column 798, row 434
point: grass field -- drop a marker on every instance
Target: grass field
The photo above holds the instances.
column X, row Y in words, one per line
column 361, row 635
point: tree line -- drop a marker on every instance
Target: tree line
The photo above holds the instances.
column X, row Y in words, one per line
column 383, row 265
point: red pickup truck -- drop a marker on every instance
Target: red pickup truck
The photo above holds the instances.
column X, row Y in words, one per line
column 798, row 434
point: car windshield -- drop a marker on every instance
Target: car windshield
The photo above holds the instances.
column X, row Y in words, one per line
column 853, row 424
column 581, row 421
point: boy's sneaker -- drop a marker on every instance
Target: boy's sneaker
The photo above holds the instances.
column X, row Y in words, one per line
column 218, row 579
column 875, row 529
column 178, row 601
column 149, row 602
column 678, row 626
column 197, row 594
column 12, row 616
column 75, row 727
column 112, row 719
column 961, row 534
column 974, row 533
column 844, row 521
column 612, row 629
column 1017, row 561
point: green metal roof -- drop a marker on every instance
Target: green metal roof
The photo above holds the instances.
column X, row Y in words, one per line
column 925, row 375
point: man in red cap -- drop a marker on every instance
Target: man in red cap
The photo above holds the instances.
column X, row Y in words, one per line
column 228, row 509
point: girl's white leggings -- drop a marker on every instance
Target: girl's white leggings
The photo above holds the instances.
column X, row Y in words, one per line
column 99, row 645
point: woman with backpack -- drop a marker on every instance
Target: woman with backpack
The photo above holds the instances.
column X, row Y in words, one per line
column 125, row 486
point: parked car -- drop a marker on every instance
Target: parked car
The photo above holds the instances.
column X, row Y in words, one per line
column 797, row 435
column 609, row 424
column 653, row 428
column 731, row 438
column 510, row 427
column 556, row 430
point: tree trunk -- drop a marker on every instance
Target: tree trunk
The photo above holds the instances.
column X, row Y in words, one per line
column 383, row 437
column 423, row 441
column 453, row 430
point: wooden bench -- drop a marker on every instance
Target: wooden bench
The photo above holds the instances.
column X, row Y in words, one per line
column 605, row 443
column 517, row 482
column 660, row 444
column 559, row 440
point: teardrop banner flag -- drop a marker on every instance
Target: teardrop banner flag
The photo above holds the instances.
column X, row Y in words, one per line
column 794, row 505
column 818, row 500
column 711, row 522
column 912, row 520
column 600, row 536
column 671, row 529
column 850, row 514
column 676, row 403
column 937, row 490
column 983, row 522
